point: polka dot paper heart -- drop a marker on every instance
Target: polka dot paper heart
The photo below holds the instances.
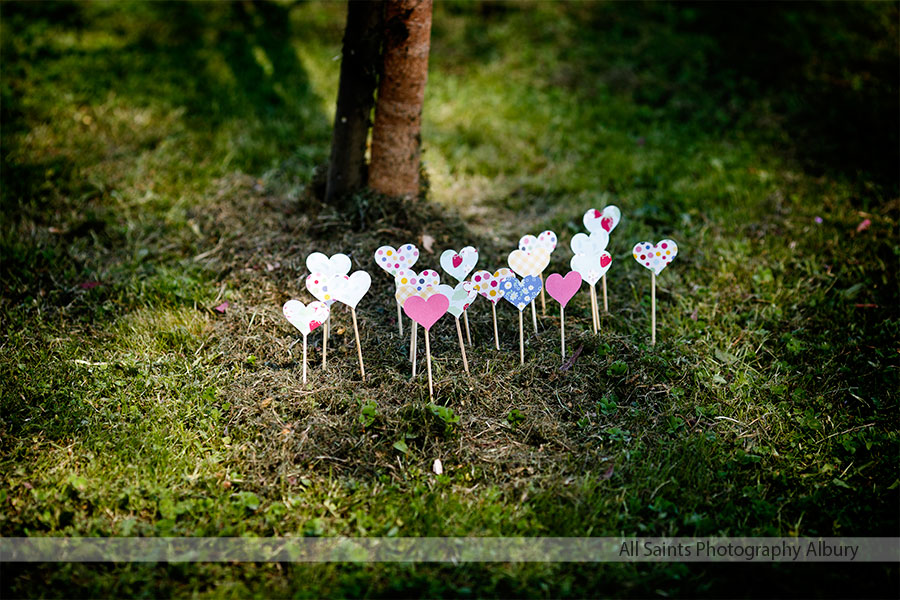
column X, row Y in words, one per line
column 320, row 286
column 605, row 220
column 459, row 264
column 529, row 263
column 488, row 284
column 546, row 240
column 305, row 318
column 409, row 283
column 521, row 293
column 392, row 260
column 655, row 257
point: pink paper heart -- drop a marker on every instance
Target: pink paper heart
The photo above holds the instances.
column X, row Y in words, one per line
column 426, row 312
column 562, row 288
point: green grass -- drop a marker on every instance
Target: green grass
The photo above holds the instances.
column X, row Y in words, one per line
column 168, row 153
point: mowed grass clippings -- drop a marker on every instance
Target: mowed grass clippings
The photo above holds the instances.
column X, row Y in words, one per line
column 163, row 160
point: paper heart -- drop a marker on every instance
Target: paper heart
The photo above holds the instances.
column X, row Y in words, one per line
column 460, row 297
column 305, row 317
column 405, row 291
column 562, row 288
column 521, row 293
column 591, row 245
column 426, row 312
column 459, row 264
column 339, row 264
column 320, row 286
column 350, row 290
column 488, row 284
column 546, row 240
column 591, row 268
column 392, row 260
column 655, row 257
column 528, row 263
column 595, row 220
column 409, row 283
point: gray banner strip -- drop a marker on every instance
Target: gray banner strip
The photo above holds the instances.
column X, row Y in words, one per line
column 450, row 550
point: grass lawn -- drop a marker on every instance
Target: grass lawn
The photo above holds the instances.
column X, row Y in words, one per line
column 159, row 159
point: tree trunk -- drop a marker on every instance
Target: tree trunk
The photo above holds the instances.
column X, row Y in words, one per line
column 394, row 168
column 360, row 63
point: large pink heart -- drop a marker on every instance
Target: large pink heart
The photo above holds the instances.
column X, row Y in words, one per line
column 426, row 312
column 563, row 288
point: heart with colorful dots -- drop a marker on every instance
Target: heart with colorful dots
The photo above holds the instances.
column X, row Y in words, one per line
column 409, row 283
column 655, row 257
column 488, row 284
column 392, row 260
column 546, row 240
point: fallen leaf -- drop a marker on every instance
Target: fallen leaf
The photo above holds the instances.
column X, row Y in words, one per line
column 608, row 474
column 427, row 243
column 88, row 285
column 568, row 364
column 864, row 225
column 437, row 467
column 221, row 308
column 272, row 266
column 695, row 314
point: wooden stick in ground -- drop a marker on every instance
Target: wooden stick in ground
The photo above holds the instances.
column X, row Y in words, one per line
column 605, row 304
column 652, row 308
column 466, row 320
column 400, row 318
column 304, row 359
column 412, row 346
column 521, row 341
column 496, row 335
column 534, row 315
column 362, row 367
column 462, row 347
column 562, row 328
column 594, row 309
column 543, row 301
column 325, row 342
column 597, row 310
column 428, row 361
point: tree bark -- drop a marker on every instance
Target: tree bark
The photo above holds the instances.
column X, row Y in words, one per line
column 360, row 64
column 394, row 167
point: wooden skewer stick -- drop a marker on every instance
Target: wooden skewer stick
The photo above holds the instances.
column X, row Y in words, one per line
column 652, row 308
column 466, row 320
column 413, row 347
column 597, row 310
column 462, row 347
column 534, row 315
column 496, row 335
column 412, row 344
column 428, row 360
column 593, row 309
column 400, row 319
column 562, row 328
column 605, row 304
column 543, row 300
column 362, row 367
column 521, row 341
column 304, row 360
column 325, row 342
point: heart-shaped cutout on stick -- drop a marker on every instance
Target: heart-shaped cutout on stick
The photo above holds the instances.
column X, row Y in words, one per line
column 392, row 260
column 529, row 263
column 350, row 290
column 459, row 264
column 488, row 284
column 546, row 240
column 320, row 286
column 305, row 317
column 592, row 244
column 339, row 264
column 460, row 297
column 521, row 293
column 605, row 220
column 562, row 289
column 409, row 283
column 655, row 257
column 591, row 267
column 426, row 312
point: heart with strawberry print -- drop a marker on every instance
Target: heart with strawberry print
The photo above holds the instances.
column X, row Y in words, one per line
column 592, row 244
column 426, row 312
column 655, row 257
column 460, row 297
column 339, row 264
column 546, row 240
column 521, row 293
column 605, row 220
column 305, row 317
column 488, row 284
column 350, row 290
column 591, row 267
column 392, row 260
column 529, row 263
column 562, row 288
column 458, row 265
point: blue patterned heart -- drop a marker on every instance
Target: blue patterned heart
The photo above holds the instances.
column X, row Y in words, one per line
column 521, row 293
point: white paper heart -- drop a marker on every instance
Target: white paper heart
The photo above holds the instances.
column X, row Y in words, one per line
column 392, row 260
column 305, row 317
column 591, row 245
column 459, row 264
column 529, row 263
column 460, row 297
column 339, row 264
column 350, row 290
column 488, row 284
column 605, row 220
column 320, row 286
column 655, row 257
column 546, row 239
column 591, row 267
